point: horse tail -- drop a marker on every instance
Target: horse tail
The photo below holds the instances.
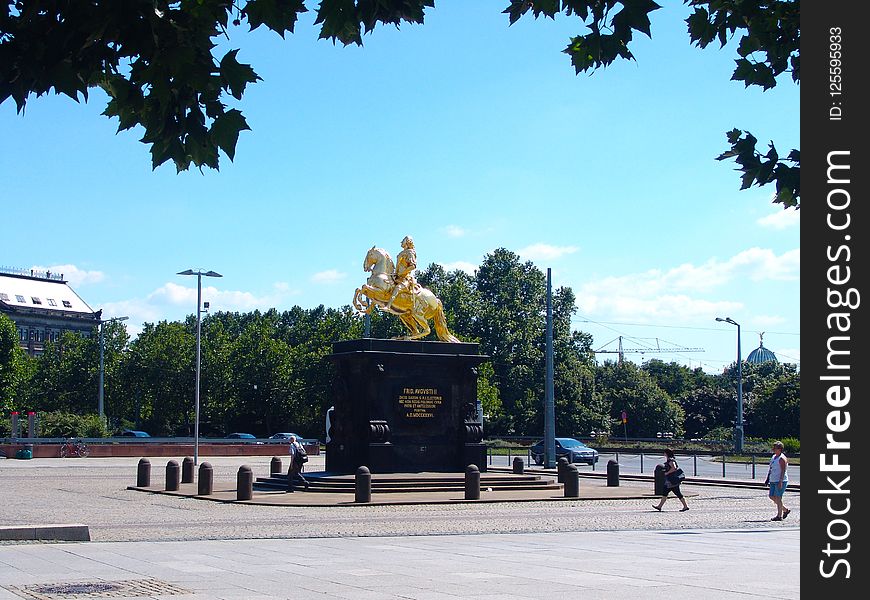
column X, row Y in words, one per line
column 441, row 326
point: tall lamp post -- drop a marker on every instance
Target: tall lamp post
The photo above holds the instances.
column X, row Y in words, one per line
column 102, row 365
column 738, row 442
column 199, row 275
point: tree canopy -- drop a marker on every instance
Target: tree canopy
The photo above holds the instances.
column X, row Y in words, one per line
column 158, row 60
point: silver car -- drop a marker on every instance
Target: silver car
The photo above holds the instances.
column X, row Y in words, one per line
column 574, row 450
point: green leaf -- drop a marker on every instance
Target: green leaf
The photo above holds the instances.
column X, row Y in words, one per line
column 235, row 75
column 225, row 131
column 635, row 15
column 748, row 45
column 517, row 9
column 339, row 20
column 277, row 15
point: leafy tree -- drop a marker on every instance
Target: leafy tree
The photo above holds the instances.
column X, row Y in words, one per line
column 115, row 340
column 157, row 61
column 60, row 424
column 66, row 376
column 650, row 410
column 706, row 408
column 775, row 408
column 12, row 365
column 262, row 376
column 510, row 327
column 672, row 377
column 165, row 356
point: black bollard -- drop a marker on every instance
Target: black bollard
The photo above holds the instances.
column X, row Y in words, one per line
column 187, row 470
column 143, row 473
column 244, row 483
column 205, row 480
column 519, row 466
column 659, row 481
column 572, row 482
column 363, row 485
column 275, row 467
column 173, row 474
column 612, row 473
column 472, row 482
column 560, row 469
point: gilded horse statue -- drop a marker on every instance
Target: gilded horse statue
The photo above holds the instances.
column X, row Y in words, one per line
column 414, row 306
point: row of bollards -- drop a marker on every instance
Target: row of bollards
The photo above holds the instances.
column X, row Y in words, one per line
column 176, row 475
column 566, row 474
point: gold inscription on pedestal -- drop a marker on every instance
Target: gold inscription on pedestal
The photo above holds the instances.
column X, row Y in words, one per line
column 420, row 403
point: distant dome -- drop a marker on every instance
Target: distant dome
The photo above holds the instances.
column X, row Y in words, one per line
column 761, row 354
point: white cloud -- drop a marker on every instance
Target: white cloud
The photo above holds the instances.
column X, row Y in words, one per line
column 680, row 293
column 328, row 276
column 71, row 273
column 781, row 219
column 460, row 265
column 655, row 309
column 545, row 251
column 172, row 301
column 455, row 231
column 755, row 264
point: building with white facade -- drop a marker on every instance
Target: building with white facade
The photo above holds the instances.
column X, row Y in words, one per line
column 43, row 305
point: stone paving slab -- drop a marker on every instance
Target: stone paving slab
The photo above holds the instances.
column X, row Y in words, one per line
column 614, row 565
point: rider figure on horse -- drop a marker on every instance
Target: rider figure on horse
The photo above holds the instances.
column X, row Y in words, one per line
column 406, row 262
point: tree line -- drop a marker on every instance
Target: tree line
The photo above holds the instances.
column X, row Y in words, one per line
column 264, row 372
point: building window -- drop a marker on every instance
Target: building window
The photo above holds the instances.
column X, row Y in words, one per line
column 51, row 302
column 36, row 300
column 22, row 335
column 4, row 296
column 67, row 303
column 20, row 298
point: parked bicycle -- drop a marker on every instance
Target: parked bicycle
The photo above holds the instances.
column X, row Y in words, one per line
column 74, row 448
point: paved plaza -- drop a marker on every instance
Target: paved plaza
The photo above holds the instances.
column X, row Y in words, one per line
column 160, row 546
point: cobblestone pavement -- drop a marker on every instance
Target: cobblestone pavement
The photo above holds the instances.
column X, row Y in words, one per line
column 94, row 492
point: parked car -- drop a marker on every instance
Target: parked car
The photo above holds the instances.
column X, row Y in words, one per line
column 574, row 450
column 135, row 433
column 284, row 436
column 241, row 436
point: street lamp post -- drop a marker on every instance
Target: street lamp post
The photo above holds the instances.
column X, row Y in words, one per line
column 738, row 442
column 102, row 365
column 199, row 274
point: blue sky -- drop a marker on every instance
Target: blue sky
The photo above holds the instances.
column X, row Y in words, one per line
column 468, row 135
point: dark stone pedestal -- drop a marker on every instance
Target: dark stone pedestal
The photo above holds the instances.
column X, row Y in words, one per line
column 405, row 406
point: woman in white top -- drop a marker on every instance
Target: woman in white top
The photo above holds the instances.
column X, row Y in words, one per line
column 777, row 479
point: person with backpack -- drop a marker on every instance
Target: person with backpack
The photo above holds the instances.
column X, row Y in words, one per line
column 673, row 477
column 298, row 457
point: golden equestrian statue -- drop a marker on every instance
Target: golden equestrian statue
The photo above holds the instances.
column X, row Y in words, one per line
column 394, row 289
